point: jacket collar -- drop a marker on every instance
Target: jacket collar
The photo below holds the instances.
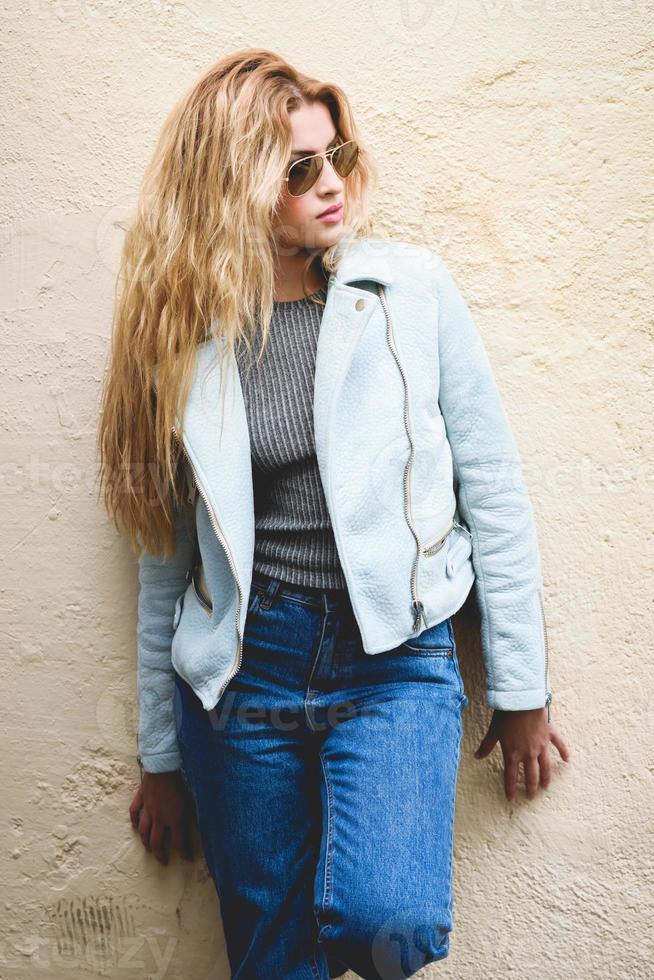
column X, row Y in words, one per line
column 359, row 259
column 362, row 259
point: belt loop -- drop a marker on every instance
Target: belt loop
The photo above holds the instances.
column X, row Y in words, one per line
column 271, row 593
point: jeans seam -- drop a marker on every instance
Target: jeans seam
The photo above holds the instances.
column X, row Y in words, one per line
column 313, row 963
column 455, row 659
column 329, row 848
column 311, row 603
column 452, row 819
column 300, row 602
column 307, row 696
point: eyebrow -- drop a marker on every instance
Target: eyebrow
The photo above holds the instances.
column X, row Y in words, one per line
column 310, row 153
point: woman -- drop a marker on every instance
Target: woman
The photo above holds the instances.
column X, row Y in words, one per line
column 305, row 538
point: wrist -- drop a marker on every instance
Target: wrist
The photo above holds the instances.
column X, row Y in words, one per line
column 146, row 772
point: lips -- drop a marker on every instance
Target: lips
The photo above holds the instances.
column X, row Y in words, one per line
column 332, row 210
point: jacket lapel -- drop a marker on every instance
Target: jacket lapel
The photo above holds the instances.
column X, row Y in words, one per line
column 221, row 454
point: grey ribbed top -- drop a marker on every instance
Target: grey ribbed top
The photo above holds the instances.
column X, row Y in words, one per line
column 294, row 540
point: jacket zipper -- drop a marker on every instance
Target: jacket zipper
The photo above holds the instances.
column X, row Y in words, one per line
column 433, row 547
column 548, row 693
column 219, row 534
column 416, row 603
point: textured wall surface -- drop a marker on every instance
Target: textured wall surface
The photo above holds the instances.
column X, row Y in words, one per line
column 514, row 137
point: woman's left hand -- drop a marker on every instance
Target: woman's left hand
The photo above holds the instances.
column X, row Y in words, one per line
column 524, row 737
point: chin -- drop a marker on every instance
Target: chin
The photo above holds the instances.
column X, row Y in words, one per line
column 328, row 235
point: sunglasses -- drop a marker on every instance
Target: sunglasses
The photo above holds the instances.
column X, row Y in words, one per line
column 302, row 174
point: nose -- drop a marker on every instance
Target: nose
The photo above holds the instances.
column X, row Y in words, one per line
column 329, row 180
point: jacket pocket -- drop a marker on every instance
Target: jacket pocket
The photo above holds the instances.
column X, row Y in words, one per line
column 459, row 550
column 201, row 594
column 179, row 605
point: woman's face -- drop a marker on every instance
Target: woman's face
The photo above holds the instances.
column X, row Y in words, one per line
column 298, row 224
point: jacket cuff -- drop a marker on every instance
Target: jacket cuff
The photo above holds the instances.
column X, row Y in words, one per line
column 518, row 700
column 160, row 761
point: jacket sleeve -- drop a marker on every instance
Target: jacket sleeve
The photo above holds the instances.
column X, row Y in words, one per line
column 162, row 584
column 493, row 500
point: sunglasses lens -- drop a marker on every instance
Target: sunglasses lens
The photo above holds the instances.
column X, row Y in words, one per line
column 345, row 158
column 303, row 175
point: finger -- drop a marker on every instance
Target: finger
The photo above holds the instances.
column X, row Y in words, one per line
column 145, row 825
column 557, row 741
column 158, row 841
column 510, row 777
column 545, row 768
column 135, row 808
column 486, row 746
column 532, row 775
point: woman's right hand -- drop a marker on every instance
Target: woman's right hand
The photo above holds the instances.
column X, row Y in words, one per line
column 162, row 812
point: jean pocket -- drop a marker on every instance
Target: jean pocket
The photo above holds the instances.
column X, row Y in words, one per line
column 435, row 641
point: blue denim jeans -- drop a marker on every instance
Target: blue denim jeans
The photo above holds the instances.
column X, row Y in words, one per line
column 324, row 782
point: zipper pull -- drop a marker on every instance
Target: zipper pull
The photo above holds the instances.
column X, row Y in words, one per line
column 464, row 530
column 192, row 486
column 417, row 607
column 548, row 701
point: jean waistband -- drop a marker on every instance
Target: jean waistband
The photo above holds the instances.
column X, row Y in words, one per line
column 320, row 598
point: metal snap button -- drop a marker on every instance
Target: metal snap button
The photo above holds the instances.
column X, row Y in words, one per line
column 360, row 303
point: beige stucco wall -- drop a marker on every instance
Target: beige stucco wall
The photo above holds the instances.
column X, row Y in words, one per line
column 516, row 138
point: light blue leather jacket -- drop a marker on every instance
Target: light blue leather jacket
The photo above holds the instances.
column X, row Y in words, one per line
column 422, row 479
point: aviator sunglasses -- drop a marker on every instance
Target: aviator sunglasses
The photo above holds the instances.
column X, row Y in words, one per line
column 302, row 174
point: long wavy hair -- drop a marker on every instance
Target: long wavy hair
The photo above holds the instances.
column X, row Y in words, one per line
column 198, row 262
